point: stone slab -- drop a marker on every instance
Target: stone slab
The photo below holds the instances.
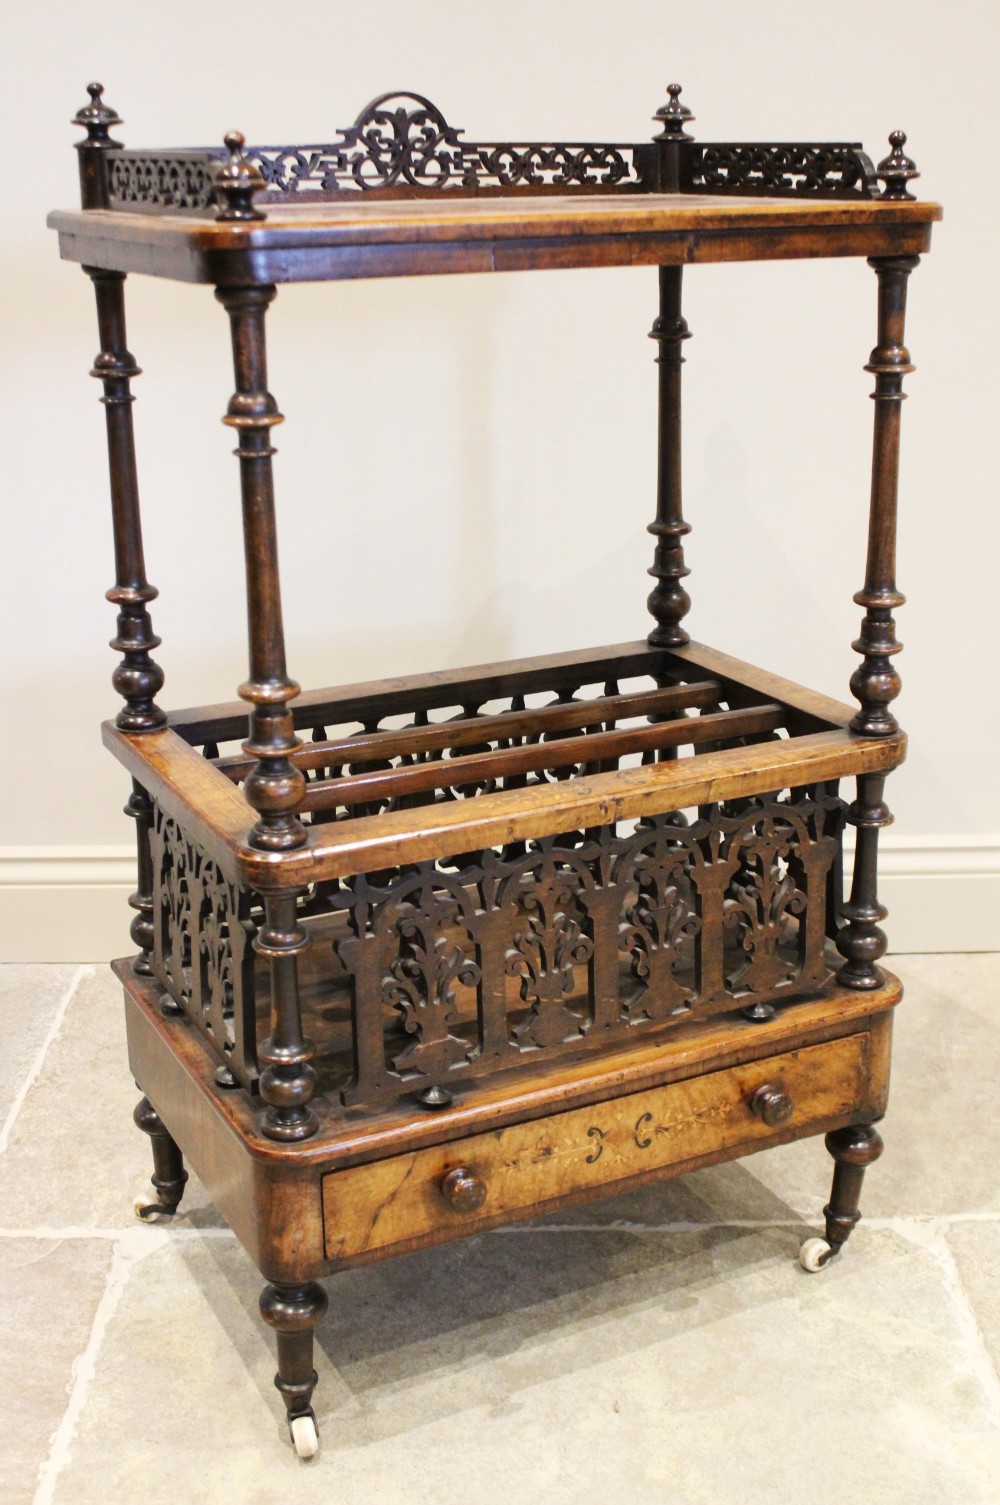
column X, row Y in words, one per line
column 29, row 1001
column 976, row 1248
column 573, row 1366
column 49, row 1293
column 75, row 1158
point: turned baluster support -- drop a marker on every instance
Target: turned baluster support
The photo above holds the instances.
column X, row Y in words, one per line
column 140, row 809
column 862, row 941
column 668, row 602
column 288, row 1081
column 875, row 683
column 138, row 679
column 275, row 786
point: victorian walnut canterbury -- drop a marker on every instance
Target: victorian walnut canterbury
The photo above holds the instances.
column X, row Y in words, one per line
column 488, row 942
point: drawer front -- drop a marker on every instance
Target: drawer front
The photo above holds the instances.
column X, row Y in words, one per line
column 448, row 1189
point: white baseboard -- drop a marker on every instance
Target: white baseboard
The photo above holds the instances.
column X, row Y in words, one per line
column 68, row 904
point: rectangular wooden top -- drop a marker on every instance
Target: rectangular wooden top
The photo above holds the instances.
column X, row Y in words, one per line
column 402, row 237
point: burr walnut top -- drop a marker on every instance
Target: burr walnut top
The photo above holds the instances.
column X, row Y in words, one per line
column 314, row 241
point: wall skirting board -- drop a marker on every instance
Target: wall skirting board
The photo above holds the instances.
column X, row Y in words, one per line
column 68, row 904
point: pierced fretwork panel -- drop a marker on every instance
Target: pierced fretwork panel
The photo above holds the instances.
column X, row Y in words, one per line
column 203, row 945
column 400, row 143
column 584, row 936
column 829, row 170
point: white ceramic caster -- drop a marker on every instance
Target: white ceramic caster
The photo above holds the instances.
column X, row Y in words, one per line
column 150, row 1210
column 304, row 1435
column 815, row 1254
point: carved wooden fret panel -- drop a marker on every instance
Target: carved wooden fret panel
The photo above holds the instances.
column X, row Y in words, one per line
column 399, row 142
column 464, row 972
column 826, row 170
column 203, row 945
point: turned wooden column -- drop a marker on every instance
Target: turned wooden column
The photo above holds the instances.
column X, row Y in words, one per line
column 140, row 809
column 862, row 941
column 668, row 602
column 288, row 1081
column 137, row 678
column 875, row 683
column 275, row 787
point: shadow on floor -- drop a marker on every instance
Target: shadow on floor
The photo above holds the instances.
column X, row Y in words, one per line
column 496, row 1312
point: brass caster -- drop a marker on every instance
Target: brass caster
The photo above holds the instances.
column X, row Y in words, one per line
column 149, row 1210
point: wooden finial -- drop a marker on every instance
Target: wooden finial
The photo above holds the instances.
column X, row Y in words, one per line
column 236, row 182
column 97, row 118
column 674, row 116
column 897, row 169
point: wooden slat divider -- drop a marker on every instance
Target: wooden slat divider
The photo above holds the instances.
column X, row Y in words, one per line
column 538, row 721
column 589, row 749
column 404, row 694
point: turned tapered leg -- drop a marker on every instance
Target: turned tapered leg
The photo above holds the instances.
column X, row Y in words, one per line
column 169, row 1175
column 293, row 1312
column 854, row 1150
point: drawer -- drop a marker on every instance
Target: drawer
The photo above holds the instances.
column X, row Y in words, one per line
column 449, row 1189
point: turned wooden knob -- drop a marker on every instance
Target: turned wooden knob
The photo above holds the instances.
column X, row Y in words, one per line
column 463, row 1192
column 772, row 1106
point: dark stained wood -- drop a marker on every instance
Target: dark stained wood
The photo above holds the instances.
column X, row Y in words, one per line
column 275, row 787
column 405, row 238
column 140, row 809
column 854, row 1149
column 448, row 964
column 861, row 941
column 875, row 683
column 552, row 672
column 293, row 1312
column 97, row 118
column 169, row 1176
column 669, row 601
column 588, row 749
column 542, row 721
column 138, row 678
column 288, row 1081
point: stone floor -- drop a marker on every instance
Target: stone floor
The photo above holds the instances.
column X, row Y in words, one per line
column 662, row 1346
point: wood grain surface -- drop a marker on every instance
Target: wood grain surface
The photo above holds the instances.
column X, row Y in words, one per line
column 371, row 1207
column 310, row 242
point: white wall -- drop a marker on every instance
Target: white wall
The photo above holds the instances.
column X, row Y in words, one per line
column 467, row 468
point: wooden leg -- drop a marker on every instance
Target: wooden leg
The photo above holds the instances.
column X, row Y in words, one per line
column 854, row 1149
column 293, row 1312
column 169, row 1175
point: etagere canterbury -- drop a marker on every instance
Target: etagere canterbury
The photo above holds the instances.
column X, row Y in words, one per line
column 486, row 942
